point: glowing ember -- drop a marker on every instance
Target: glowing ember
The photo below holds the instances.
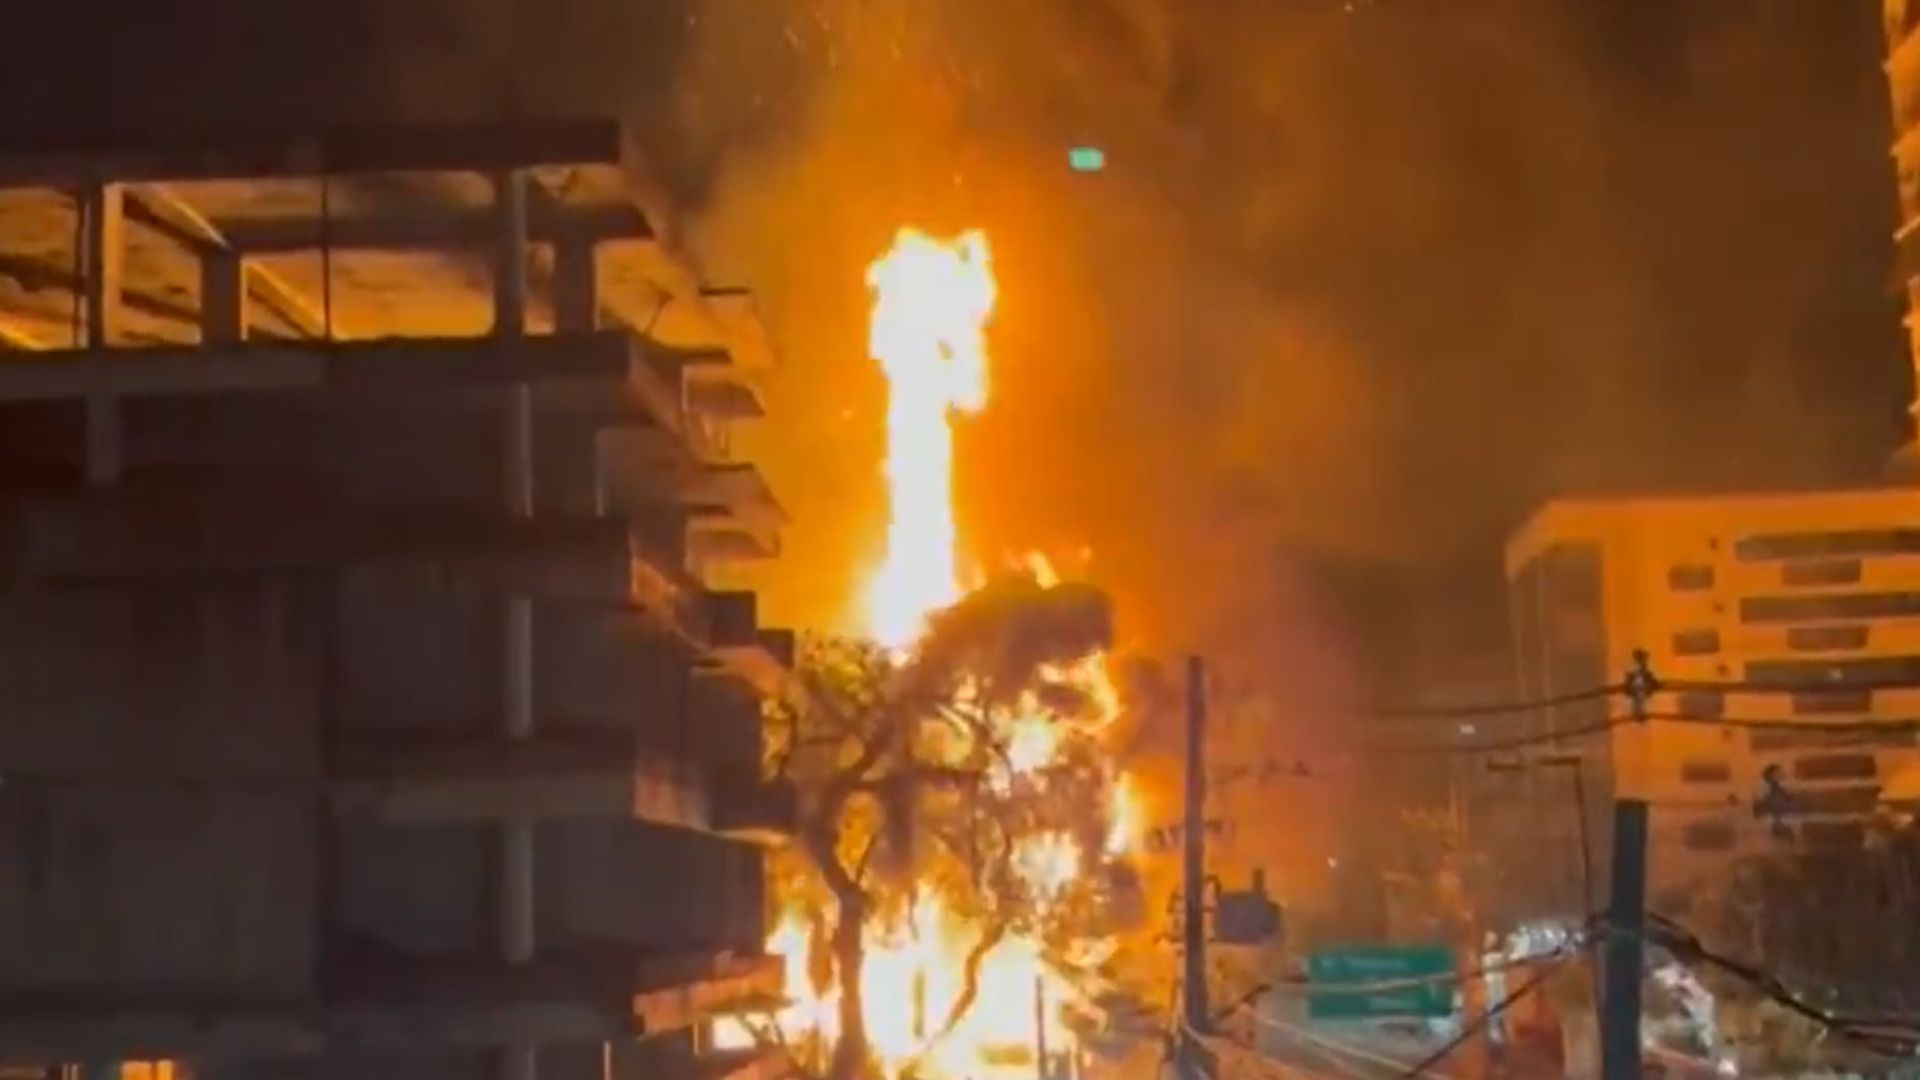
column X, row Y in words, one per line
column 1047, row 863
column 930, row 306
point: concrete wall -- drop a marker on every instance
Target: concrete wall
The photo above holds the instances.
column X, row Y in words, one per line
column 438, row 451
column 647, row 886
column 158, row 799
column 415, row 656
column 414, row 889
column 608, row 670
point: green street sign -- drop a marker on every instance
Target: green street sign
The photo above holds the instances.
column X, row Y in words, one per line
column 1382, row 981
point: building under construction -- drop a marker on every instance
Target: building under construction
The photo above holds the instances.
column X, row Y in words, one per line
column 366, row 710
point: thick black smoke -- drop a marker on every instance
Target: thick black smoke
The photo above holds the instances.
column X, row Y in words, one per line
column 1364, row 278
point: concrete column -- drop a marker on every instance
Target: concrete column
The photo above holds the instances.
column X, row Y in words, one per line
column 516, row 892
column 576, row 291
column 102, row 258
column 517, row 850
column 510, row 254
column 223, row 298
column 576, row 310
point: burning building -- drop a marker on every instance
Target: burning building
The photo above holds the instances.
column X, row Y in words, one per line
column 368, row 711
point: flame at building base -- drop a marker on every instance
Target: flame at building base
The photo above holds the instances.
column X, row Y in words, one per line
column 913, row 978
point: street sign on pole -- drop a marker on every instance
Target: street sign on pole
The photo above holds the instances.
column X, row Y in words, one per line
column 1381, row 981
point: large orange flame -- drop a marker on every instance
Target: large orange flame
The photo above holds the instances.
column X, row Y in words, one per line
column 931, row 301
column 930, row 306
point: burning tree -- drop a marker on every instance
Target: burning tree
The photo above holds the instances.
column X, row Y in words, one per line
column 953, row 810
column 953, row 796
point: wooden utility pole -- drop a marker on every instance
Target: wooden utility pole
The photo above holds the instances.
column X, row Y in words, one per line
column 1193, row 879
column 1040, row 1027
column 1626, row 923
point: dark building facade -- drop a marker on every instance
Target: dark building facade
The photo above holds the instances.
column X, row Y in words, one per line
column 367, row 712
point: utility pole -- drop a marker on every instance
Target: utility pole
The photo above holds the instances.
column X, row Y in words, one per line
column 1040, row 1028
column 1626, row 923
column 1193, row 981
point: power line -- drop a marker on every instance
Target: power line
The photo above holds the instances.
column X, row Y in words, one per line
column 1377, row 986
column 1496, row 745
column 1491, row 708
column 1838, row 727
column 1771, row 686
column 1328, row 1048
column 1473, row 1027
column 1895, row 1035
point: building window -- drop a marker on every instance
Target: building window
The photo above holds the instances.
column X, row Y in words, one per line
column 1826, row 638
column 1842, row 800
column 1704, row 771
column 1867, row 670
column 1690, row 578
column 1890, row 605
column 1893, row 738
column 1836, row 767
column 1828, row 545
column 1709, row 836
column 1832, row 702
column 1833, row 835
column 1702, row 705
column 1696, row 643
column 1825, row 572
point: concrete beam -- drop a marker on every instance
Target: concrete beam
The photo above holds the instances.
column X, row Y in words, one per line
column 519, row 782
column 449, row 228
column 191, row 532
column 584, row 996
column 724, row 538
column 15, row 336
column 634, row 1059
column 60, row 157
column 79, row 1029
column 103, row 255
column 163, row 209
column 724, row 985
column 724, row 399
column 384, row 366
column 763, row 662
column 746, row 807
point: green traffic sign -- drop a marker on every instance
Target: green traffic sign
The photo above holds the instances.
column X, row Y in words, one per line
column 1380, row 981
